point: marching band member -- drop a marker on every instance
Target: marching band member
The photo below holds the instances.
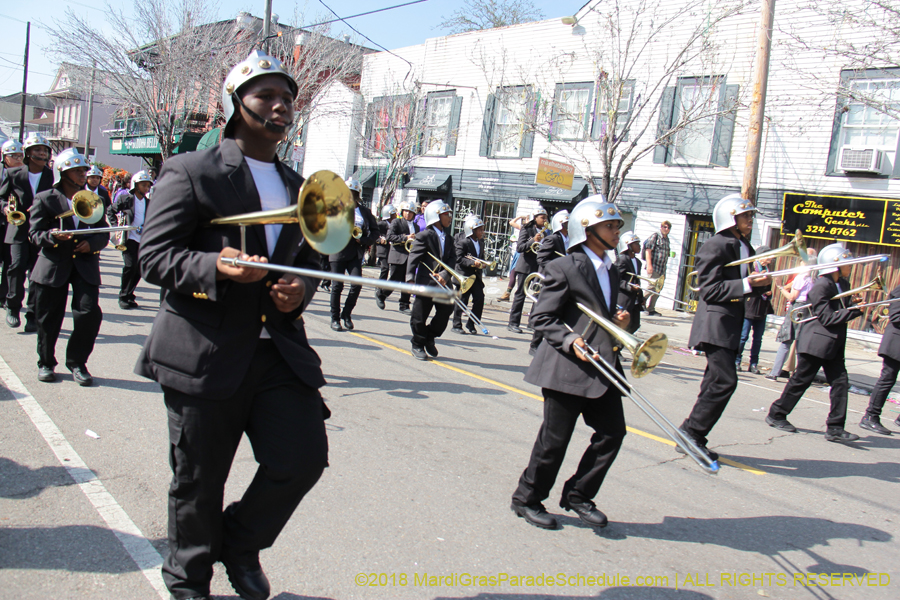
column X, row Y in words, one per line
column 436, row 240
column 228, row 345
column 66, row 260
column 401, row 230
column 533, row 231
column 820, row 344
column 132, row 207
column 349, row 260
column 571, row 386
column 889, row 351
column 13, row 156
column 471, row 243
column 551, row 248
column 630, row 297
column 720, row 312
column 23, row 184
column 382, row 248
column 94, row 179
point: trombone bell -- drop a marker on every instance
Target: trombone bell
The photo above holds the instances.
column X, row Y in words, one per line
column 796, row 247
column 645, row 355
column 87, row 207
column 465, row 283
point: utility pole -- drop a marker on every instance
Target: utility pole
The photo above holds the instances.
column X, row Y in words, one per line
column 90, row 115
column 267, row 26
column 24, row 84
column 758, row 102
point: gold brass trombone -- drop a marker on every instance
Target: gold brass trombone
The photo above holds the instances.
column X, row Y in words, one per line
column 533, row 284
column 87, row 207
column 656, row 285
column 876, row 285
column 489, row 265
column 796, row 247
column 324, row 211
column 465, row 283
column 407, row 244
column 356, row 232
column 13, row 215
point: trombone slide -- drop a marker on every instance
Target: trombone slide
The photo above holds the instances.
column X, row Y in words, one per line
column 90, row 231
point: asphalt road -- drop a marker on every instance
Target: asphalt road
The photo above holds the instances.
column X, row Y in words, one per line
column 424, row 458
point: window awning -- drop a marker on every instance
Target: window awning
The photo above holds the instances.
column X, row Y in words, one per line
column 545, row 193
column 368, row 178
column 695, row 205
column 430, row 183
column 209, row 139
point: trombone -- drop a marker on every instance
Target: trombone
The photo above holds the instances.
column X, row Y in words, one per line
column 876, row 285
column 13, row 215
column 87, row 207
column 324, row 211
column 796, row 247
column 533, row 284
column 465, row 283
column 656, row 285
column 536, row 244
column 484, row 263
column 407, row 244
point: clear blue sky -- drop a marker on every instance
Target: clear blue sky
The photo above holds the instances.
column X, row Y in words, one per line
column 397, row 28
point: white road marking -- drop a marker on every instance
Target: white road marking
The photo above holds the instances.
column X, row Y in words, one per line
column 138, row 547
column 859, row 412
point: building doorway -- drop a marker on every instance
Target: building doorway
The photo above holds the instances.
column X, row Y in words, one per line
column 700, row 229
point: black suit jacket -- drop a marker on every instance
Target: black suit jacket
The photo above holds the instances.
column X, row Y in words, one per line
column 720, row 311
column 427, row 242
column 57, row 258
column 382, row 249
column 550, row 245
column 104, row 195
column 206, row 331
column 568, row 281
column 466, row 247
column 527, row 262
column 890, row 341
column 355, row 249
column 124, row 205
column 826, row 336
column 630, row 299
column 400, row 229
column 18, row 185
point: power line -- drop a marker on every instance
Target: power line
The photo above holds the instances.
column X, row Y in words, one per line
column 371, row 12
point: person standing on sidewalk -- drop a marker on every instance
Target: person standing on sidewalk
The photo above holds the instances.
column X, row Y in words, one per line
column 889, row 351
column 516, row 224
column 656, row 253
column 796, row 297
column 821, row 344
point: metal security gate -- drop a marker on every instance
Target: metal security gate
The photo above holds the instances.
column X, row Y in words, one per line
column 497, row 231
column 699, row 230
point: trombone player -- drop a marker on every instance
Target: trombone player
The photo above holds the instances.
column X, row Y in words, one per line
column 531, row 233
column 133, row 208
column 820, row 344
column 630, row 296
column 470, row 259
column 571, row 386
column 401, row 231
column 552, row 247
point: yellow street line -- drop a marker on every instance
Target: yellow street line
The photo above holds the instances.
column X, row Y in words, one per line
column 514, row 390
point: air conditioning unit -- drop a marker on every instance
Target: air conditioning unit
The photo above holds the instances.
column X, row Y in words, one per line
column 860, row 160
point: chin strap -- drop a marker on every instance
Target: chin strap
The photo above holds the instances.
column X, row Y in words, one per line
column 600, row 239
column 265, row 122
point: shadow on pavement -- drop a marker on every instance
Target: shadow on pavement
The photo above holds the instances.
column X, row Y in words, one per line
column 822, row 469
column 19, row 482
column 69, row 548
column 411, row 390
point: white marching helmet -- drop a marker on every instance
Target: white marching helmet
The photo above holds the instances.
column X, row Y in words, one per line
column 626, row 239
column 256, row 65
column 588, row 213
column 540, row 210
column 470, row 224
column 727, row 209
column 35, row 139
column 139, row 177
column 434, row 211
column 12, row 147
column 354, row 185
column 558, row 220
column 71, row 158
column 387, row 211
column 832, row 253
column 94, row 171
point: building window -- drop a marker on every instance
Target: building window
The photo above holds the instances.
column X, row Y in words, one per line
column 571, row 111
column 442, row 111
column 387, row 124
column 507, row 128
column 696, row 123
column 606, row 95
column 866, row 130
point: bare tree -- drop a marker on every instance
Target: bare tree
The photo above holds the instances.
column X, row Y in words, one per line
column 488, row 14
column 644, row 50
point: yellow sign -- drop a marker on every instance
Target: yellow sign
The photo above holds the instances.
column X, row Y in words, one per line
column 555, row 174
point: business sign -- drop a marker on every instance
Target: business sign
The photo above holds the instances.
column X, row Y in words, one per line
column 555, row 174
column 843, row 218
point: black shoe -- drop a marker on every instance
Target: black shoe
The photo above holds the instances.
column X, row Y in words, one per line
column 653, row 313
column 535, row 514
column 379, row 302
column 125, row 305
column 81, row 376
column 201, row 597
column 712, row 456
column 471, row 329
column 897, row 422
column 12, row 318
column 430, row 348
column 586, row 511
column 754, row 369
column 133, row 303
column 840, row 435
column 532, row 351
column 780, row 424
column 458, row 330
column 46, row 374
column 514, row 328
column 336, row 325
column 771, row 377
column 247, row 578
column 874, row 424
column 30, row 325
column 404, row 310
column 419, row 353
column 737, row 367
column 785, row 374
column 348, row 324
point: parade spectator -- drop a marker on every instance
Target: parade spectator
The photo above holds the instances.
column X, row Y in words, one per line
column 656, row 255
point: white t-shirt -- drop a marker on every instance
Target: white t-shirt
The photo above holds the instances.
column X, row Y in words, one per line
column 34, row 179
column 140, row 209
column 272, row 195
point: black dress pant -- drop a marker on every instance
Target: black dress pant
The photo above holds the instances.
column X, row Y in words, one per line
column 883, row 386
column 4, row 264
column 518, row 303
column 131, row 271
column 398, row 273
column 22, row 256
column 50, row 303
column 803, row 376
column 561, row 411
column 384, row 268
column 351, row 267
column 284, row 421
column 476, row 292
column 719, row 382
column 421, row 333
